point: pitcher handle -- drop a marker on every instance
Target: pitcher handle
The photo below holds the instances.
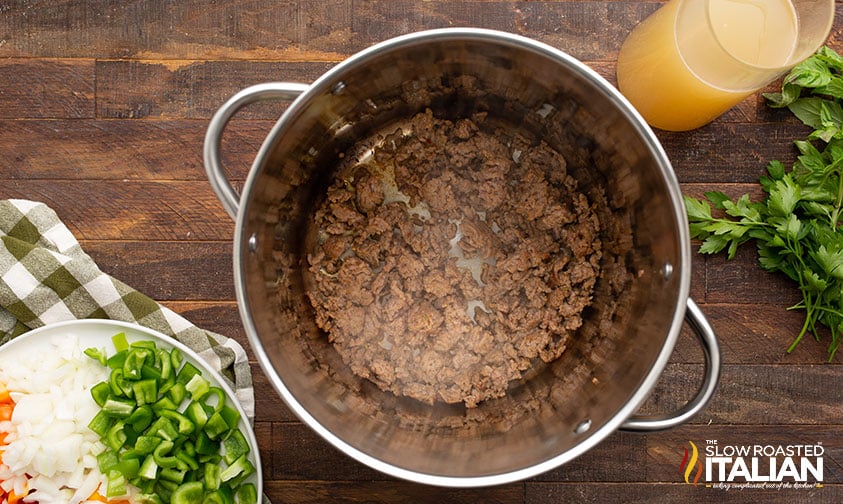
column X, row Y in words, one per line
column 711, row 349
column 213, row 166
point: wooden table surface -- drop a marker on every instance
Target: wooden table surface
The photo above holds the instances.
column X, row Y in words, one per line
column 103, row 108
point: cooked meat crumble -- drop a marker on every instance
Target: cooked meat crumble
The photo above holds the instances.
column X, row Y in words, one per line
column 451, row 259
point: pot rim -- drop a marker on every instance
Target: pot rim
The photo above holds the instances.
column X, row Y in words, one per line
column 327, row 81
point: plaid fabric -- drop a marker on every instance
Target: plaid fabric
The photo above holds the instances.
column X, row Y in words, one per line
column 45, row 277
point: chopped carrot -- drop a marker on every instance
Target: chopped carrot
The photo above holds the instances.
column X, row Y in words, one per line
column 96, row 496
column 5, row 412
column 15, row 498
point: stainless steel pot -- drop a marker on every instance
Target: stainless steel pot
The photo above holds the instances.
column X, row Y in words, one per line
column 566, row 408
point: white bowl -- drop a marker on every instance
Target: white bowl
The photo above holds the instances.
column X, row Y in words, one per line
column 98, row 332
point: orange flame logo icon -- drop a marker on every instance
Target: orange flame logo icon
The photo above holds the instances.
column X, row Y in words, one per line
column 690, row 462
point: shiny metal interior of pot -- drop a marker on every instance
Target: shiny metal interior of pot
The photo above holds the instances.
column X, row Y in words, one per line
column 563, row 408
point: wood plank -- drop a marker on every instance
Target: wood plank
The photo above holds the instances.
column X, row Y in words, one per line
column 591, row 31
column 647, row 493
column 170, row 270
column 172, row 150
column 752, row 333
column 122, row 149
column 742, row 280
column 601, row 462
column 195, row 89
column 130, row 210
column 268, row 402
column 137, row 209
column 222, row 317
column 300, row 454
column 761, row 394
column 724, row 152
column 191, row 89
column 42, row 88
column 387, row 492
column 309, row 29
column 263, row 435
column 315, row 30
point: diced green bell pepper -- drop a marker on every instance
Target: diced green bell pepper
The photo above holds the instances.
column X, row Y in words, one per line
column 246, row 494
column 128, row 467
column 98, row 354
column 101, row 422
column 146, row 391
column 147, row 444
column 150, row 372
column 133, row 365
column 164, row 404
column 106, row 461
column 100, row 393
column 241, row 468
column 197, row 414
column 230, row 415
column 197, row 386
column 187, row 372
column 165, row 363
column 141, row 418
column 120, row 342
column 119, row 386
column 175, row 358
column 215, row 497
column 115, row 438
column 170, row 454
column 235, row 445
column 146, row 344
column 148, row 498
column 162, row 457
column 149, row 468
column 216, row 426
column 212, row 476
column 116, row 484
column 177, row 392
column 116, row 361
column 188, row 493
column 163, row 428
column 173, row 475
column 184, row 425
column 187, row 459
column 206, row 445
column 118, row 407
column 219, row 394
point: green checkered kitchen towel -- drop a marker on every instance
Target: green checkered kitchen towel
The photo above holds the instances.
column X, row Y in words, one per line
column 45, row 277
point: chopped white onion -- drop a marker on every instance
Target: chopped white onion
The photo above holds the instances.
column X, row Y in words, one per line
column 50, row 452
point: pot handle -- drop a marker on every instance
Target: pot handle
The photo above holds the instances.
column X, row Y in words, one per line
column 213, row 166
column 711, row 349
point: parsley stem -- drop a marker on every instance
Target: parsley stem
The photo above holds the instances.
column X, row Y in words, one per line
column 835, row 214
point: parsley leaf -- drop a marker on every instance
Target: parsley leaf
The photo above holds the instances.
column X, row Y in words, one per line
column 796, row 227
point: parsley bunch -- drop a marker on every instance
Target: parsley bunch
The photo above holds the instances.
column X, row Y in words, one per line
column 796, row 227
